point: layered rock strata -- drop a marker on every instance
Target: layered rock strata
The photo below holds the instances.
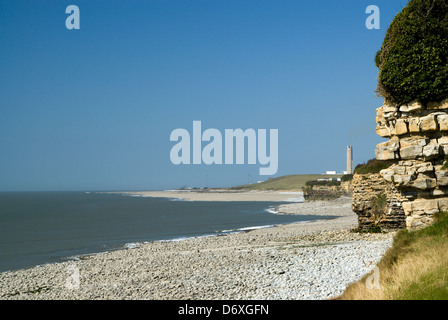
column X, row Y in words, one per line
column 417, row 145
column 369, row 188
column 324, row 192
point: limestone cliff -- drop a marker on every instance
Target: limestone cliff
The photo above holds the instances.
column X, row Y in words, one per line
column 416, row 185
column 323, row 192
column 377, row 202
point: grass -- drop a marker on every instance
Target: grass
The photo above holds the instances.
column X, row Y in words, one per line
column 372, row 166
column 445, row 163
column 313, row 183
column 373, row 228
column 290, row 182
column 414, row 268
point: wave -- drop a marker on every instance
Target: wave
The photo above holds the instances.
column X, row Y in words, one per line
column 245, row 229
column 130, row 195
column 178, row 199
column 81, row 256
column 272, row 210
column 186, row 238
column 133, row 245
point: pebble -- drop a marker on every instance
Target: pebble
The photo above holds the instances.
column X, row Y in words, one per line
column 313, row 261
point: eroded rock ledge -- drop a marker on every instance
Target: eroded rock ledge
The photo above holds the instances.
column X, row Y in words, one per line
column 415, row 186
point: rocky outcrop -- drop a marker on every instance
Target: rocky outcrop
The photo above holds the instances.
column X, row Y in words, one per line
column 323, row 192
column 377, row 202
column 418, row 144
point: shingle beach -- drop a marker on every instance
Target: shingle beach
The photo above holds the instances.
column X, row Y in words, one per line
column 309, row 260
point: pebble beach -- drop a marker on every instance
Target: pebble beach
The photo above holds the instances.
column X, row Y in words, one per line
column 308, row 260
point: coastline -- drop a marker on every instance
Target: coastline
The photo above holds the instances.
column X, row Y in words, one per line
column 220, row 195
column 308, row 260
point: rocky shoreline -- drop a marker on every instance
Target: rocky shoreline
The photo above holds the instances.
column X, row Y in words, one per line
column 313, row 260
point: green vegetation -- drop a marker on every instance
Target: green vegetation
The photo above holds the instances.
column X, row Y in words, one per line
column 373, row 228
column 445, row 163
column 329, row 183
column 289, row 182
column 413, row 66
column 413, row 59
column 414, row 268
column 372, row 166
column 379, row 204
column 378, row 210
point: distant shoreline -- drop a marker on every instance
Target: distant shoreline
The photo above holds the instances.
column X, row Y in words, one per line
column 220, row 195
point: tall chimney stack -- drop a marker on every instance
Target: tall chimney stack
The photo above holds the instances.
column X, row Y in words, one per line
column 349, row 160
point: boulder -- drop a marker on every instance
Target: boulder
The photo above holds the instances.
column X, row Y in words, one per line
column 387, row 108
column 411, row 107
column 414, row 125
column 382, row 131
column 425, row 167
column 424, row 183
column 388, row 150
column 411, row 152
column 388, row 175
column 402, row 180
column 379, row 116
column 428, row 123
column 401, row 127
column 443, row 204
column 431, row 151
column 439, row 192
column 442, row 177
column 413, row 141
column 442, row 120
column 425, row 206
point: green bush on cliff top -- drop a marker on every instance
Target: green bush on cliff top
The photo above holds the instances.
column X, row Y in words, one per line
column 372, row 166
column 413, row 60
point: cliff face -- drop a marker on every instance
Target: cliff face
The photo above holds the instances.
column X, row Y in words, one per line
column 377, row 202
column 418, row 143
column 325, row 192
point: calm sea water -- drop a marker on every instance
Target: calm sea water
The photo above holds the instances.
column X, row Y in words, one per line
column 45, row 227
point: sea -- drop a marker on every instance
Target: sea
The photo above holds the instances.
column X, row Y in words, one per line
column 38, row 228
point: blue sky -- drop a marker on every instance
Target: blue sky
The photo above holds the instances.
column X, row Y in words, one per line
column 93, row 109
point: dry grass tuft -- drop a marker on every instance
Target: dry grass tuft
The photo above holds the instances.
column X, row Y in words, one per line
column 414, row 268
